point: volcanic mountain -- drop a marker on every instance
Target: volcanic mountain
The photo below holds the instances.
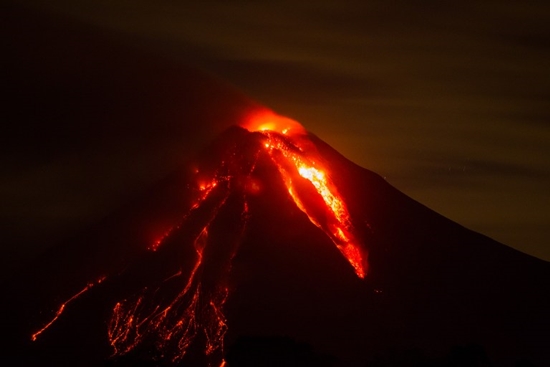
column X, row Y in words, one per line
column 268, row 233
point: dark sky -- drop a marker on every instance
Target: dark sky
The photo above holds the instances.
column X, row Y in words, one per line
column 449, row 102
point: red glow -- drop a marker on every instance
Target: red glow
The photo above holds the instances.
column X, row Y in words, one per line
column 288, row 149
column 252, row 186
column 174, row 323
column 266, row 120
column 205, row 188
column 63, row 306
column 155, row 245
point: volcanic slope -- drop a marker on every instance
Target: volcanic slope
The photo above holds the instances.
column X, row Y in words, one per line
column 269, row 233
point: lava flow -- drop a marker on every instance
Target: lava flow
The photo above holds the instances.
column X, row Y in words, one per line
column 292, row 152
column 193, row 313
column 62, row 307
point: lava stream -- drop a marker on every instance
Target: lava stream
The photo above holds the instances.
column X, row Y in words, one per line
column 63, row 306
column 171, row 325
column 205, row 190
column 293, row 153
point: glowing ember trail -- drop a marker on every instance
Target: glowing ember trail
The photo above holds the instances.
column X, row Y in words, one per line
column 265, row 120
column 172, row 325
column 286, row 144
column 132, row 320
column 63, row 306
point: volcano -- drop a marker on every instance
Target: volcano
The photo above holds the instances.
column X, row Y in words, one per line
column 271, row 233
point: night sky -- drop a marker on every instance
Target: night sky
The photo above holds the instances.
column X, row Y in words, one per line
column 450, row 103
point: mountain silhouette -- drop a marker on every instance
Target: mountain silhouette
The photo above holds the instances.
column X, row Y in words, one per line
column 270, row 238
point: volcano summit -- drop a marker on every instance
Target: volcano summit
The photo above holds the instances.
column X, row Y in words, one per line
column 269, row 232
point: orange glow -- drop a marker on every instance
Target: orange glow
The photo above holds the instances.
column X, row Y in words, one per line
column 208, row 186
column 196, row 311
column 266, row 120
column 287, row 153
column 174, row 323
column 155, row 245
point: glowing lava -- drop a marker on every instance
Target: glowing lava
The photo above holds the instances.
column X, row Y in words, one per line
column 266, row 120
column 171, row 325
column 63, row 306
column 174, row 324
column 293, row 153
